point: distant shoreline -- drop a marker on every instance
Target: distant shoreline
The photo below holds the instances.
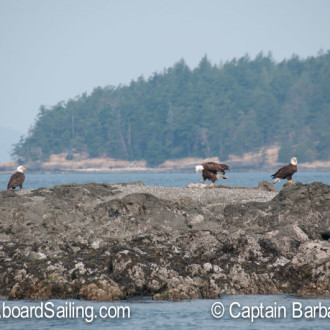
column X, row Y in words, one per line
column 82, row 164
column 150, row 170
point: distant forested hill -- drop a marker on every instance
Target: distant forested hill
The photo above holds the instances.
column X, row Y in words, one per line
column 212, row 110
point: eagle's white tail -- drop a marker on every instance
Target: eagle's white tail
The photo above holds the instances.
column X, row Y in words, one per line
column 221, row 176
column 276, row 180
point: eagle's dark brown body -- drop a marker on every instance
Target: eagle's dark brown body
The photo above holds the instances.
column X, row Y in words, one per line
column 285, row 172
column 211, row 169
column 16, row 180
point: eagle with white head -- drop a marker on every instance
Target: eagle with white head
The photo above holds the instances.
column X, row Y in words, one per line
column 212, row 171
column 286, row 172
column 17, row 179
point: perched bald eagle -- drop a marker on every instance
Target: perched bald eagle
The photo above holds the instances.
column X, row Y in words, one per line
column 210, row 171
column 17, row 179
column 286, row 172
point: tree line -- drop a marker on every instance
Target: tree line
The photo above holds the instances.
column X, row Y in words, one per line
column 211, row 110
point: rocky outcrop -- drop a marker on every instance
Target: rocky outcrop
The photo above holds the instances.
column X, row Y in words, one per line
column 109, row 242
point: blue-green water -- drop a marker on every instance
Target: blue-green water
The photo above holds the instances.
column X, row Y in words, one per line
column 240, row 312
column 247, row 179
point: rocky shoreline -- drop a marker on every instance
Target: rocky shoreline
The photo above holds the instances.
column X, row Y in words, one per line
column 109, row 242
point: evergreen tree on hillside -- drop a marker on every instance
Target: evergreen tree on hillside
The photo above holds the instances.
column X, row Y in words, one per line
column 212, row 110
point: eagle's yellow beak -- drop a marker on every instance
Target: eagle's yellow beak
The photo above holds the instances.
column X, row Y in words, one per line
column 24, row 168
column 197, row 172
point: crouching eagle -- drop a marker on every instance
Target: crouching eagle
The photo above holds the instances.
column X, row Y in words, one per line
column 286, row 172
column 212, row 171
column 17, row 179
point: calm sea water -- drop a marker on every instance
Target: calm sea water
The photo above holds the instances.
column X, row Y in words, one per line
column 240, row 312
column 247, row 179
column 148, row 314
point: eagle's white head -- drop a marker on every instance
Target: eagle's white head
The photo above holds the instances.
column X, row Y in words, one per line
column 199, row 168
column 21, row 169
column 294, row 161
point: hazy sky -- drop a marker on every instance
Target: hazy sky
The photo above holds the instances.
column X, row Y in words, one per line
column 54, row 50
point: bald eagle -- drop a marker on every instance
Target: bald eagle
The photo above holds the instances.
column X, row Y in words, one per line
column 210, row 171
column 17, row 179
column 286, row 172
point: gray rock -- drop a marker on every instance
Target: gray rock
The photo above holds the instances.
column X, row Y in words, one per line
column 4, row 237
column 109, row 242
column 34, row 256
column 265, row 185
